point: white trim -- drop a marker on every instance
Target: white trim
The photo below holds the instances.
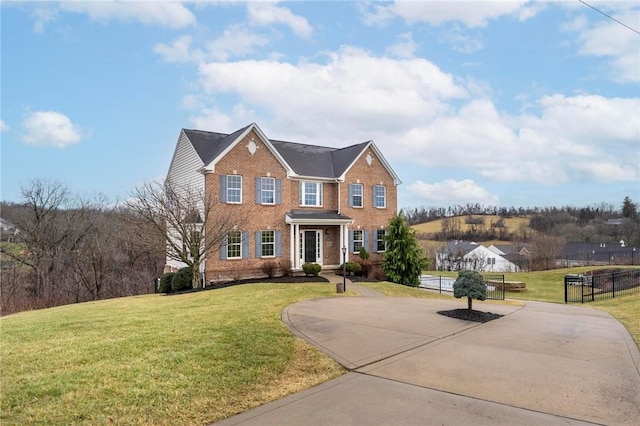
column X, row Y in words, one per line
column 385, row 164
column 265, row 140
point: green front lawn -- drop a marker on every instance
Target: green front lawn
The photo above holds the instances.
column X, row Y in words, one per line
column 185, row 359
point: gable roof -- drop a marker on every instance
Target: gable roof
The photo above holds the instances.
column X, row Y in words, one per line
column 209, row 145
column 299, row 159
column 459, row 247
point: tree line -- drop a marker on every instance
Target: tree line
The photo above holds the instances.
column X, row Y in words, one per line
column 70, row 248
column 601, row 222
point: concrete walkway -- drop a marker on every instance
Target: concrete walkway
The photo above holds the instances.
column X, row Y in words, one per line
column 540, row 364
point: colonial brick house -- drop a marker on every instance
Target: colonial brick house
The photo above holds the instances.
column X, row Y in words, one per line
column 303, row 202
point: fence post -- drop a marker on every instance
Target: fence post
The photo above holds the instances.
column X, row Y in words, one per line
column 565, row 289
column 613, row 285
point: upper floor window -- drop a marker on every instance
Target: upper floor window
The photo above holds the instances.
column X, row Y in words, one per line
column 381, row 245
column 268, row 190
column 379, row 196
column 231, row 189
column 355, row 195
column 311, row 194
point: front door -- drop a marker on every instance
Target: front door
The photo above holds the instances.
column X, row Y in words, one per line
column 311, row 246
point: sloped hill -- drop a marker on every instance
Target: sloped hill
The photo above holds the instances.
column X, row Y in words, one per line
column 512, row 224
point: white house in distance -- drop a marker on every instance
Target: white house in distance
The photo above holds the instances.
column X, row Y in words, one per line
column 458, row 255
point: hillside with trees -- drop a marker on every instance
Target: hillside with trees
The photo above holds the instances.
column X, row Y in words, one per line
column 545, row 230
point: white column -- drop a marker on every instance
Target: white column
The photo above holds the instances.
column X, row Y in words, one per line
column 296, row 245
column 292, row 247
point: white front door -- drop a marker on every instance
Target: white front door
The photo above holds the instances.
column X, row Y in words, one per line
column 311, row 246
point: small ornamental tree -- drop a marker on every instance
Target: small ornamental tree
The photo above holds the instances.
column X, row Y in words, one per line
column 469, row 284
column 403, row 260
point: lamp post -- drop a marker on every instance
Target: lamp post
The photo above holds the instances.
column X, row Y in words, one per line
column 344, row 269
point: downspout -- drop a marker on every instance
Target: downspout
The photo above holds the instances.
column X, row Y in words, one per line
column 339, row 201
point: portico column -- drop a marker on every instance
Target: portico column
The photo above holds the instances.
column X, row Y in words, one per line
column 296, row 246
column 292, row 247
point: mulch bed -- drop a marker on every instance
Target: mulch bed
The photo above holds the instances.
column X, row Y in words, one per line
column 470, row 315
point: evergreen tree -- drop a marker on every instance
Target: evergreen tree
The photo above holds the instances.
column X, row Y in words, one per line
column 403, row 260
column 629, row 208
column 469, row 284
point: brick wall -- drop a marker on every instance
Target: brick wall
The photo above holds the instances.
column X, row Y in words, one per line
column 253, row 217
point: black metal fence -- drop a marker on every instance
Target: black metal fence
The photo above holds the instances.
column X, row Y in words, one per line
column 494, row 283
column 588, row 288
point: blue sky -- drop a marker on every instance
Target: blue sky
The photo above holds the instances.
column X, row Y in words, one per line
column 508, row 103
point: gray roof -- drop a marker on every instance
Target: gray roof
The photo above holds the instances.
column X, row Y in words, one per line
column 317, row 215
column 305, row 160
column 209, row 145
column 459, row 247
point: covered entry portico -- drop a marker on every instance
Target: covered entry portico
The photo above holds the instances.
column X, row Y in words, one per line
column 317, row 237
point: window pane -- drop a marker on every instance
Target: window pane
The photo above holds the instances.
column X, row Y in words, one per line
column 356, row 193
column 234, row 244
column 357, row 240
column 234, row 189
column 380, row 245
column 268, row 190
column 380, row 193
column 310, row 194
column 268, row 243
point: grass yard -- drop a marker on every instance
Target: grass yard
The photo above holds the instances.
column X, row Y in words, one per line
column 186, row 359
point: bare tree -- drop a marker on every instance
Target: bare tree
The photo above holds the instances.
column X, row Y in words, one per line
column 51, row 225
column 187, row 218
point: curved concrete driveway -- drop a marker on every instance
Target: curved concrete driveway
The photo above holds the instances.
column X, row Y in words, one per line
column 540, row 364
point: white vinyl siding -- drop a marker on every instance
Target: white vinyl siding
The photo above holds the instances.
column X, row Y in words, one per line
column 186, row 162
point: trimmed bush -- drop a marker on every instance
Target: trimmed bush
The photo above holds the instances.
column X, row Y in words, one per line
column 311, row 269
column 165, row 282
column 351, row 267
column 182, row 280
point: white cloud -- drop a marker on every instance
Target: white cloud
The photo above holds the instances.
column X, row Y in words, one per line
column 50, row 128
column 4, row 126
column 179, row 50
column 468, row 13
column 451, row 192
column 404, row 48
column 351, row 90
column 611, row 40
column 266, row 13
column 165, row 14
column 416, row 112
column 459, row 41
column 235, row 41
column 43, row 15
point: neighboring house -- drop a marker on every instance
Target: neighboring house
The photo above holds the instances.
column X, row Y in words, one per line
column 8, row 231
column 458, row 255
column 603, row 253
column 304, row 202
column 519, row 254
